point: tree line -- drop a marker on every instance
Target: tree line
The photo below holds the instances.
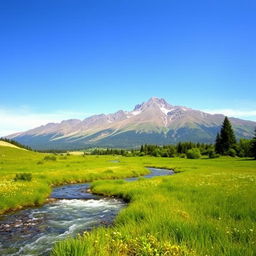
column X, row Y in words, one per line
column 182, row 149
column 225, row 144
column 156, row 150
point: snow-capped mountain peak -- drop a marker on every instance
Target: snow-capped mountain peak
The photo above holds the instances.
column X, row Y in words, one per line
column 154, row 121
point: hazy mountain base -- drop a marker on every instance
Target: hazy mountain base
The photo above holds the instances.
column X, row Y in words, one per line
column 123, row 139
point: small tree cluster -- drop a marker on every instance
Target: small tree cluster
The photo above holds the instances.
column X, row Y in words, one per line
column 109, row 151
column 155, row 150
column 226, row 143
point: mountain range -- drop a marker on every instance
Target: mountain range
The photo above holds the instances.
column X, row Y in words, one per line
column 152, row 122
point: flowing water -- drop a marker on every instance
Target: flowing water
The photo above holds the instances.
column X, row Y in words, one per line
column 33, row 231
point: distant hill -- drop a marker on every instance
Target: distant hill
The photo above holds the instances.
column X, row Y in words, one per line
column 7, row 144
column 152, row 122
column 4, row 142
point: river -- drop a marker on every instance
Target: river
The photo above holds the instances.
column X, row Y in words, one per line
column 34, row 231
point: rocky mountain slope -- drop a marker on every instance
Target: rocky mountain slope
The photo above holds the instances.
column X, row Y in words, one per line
column 154, row 121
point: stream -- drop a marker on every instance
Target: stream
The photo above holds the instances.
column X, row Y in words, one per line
column 34, row 231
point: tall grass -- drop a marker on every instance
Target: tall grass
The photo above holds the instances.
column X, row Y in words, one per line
column 209, row 209
column 51, row 170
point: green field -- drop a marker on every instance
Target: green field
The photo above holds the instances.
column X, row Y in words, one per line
column 207, row 208
column 47, row 173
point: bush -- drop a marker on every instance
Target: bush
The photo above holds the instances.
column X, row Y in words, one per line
column 193, row 153
column 50, row 158
column 23, row 176
column 172, row 151
column 231, row 152
column 212, row 154
column 241, row 153
column 182, row 155
column 156, row 153
column 164, row 153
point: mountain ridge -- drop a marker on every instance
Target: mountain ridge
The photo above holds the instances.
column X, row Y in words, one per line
column 154, row 121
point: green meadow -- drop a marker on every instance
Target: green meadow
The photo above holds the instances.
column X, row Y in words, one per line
column 207, row 208
column 50, row 170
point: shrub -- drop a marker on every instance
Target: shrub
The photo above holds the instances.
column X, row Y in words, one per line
column 182, row 155
column 171, row 151
column 164, row 153
column 241, row 153
column 212, row 154
column 50, row 158
column 193, row 153
column 231, row 152
column 156, row 153
column 23, row 176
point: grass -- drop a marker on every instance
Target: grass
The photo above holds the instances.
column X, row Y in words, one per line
column 49, row 170
column 207, row 208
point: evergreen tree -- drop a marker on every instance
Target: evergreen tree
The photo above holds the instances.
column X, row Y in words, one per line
column 253, row 148
column 218, row 144
column 179, row 148
column 227, row 137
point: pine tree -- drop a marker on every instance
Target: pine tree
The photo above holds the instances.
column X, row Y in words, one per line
column 253, row 148
column 218, row 144
column 227, row 137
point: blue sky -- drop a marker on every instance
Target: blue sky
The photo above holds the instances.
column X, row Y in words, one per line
column 62, row 59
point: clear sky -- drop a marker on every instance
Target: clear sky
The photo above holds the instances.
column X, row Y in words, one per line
column 61, row 59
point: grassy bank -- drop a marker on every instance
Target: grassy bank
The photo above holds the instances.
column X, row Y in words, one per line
column 209, row 208
column 49, row 170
